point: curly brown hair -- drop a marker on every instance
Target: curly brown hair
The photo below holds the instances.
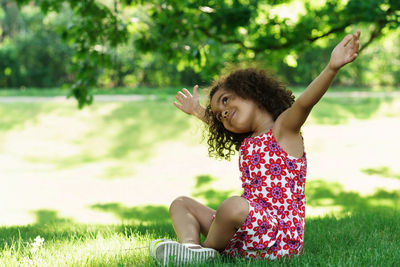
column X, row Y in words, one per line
column 252, row 84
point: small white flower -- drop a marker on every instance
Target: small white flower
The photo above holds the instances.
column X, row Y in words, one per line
column 38, row 242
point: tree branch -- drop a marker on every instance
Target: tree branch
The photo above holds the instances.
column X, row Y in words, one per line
column 219, row 39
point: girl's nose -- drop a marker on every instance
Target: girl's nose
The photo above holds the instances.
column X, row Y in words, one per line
column 225, row 113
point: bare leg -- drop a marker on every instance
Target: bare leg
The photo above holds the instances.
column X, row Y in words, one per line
column 231, row 214
column 190, row 218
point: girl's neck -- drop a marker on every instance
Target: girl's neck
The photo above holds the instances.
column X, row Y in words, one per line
column 263, row 123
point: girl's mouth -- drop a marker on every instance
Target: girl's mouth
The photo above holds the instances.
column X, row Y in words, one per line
column 231, row 116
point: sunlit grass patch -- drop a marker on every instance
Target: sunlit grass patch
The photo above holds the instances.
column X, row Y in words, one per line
column 363, row 238
column 74, row 245
column 121, row 135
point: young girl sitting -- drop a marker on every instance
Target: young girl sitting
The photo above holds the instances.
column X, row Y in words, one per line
column 253, row 113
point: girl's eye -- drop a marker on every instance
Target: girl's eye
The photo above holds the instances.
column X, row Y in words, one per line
column 219, row 117
column 224, row 100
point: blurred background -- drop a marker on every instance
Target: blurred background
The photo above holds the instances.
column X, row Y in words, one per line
column 118, row 151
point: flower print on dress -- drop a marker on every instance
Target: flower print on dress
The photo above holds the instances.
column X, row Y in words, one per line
column 284, row 226
column 260, row 254
column 300, row 198
column 281, row 211
column 263, row 202
column 293, row 206
column 275, row 169
column 237, row 249
column 256, row 141
column 291, row 245
column 272, row 147
column 290, row 164
column 298, row 227
column 291, row 184
column 278, row 198
column 244, row 148
column 246, row 191
column 273, row 234
column 273, row 250
column 263, row 226
column 256, row 159
column 277, row 193
column 258, row 182
column 244, row 236
column 261, row 245
column 244, row 169
column 248, row 223
column 258, row 208
column 301, row 177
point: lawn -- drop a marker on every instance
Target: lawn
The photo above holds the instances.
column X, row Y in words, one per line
column 91, row 187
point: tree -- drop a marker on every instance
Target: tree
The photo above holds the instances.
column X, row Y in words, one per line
column 208, row 32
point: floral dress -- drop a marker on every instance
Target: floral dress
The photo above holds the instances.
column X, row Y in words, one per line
column 273, row 184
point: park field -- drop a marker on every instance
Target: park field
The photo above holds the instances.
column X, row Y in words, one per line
column 91, row 187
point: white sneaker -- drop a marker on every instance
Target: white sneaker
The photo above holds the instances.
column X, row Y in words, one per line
column 154, row 243
column 166, row 252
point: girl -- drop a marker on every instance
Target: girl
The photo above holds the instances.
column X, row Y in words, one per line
column 251, row 112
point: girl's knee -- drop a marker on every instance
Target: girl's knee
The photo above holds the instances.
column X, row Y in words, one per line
column 234, row 209
column 178, row 203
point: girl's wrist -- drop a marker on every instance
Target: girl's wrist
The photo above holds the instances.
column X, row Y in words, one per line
column 331, row 69
column 199, row 112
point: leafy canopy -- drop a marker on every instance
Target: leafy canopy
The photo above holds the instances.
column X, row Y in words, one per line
column 207, row 32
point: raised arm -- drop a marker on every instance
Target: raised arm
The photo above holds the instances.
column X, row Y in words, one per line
column 345, row 52
column 190, row 104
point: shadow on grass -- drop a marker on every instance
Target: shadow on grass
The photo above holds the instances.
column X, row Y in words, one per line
column 150, row 221
column 365, row 234
column 49, row 217
column 132, row 131
column 210, row 197
column 68, row 231
column 151, row 214
column 146, row 214
column 13, row 115
column 321, row 193
column 383, row 171
column 125, row 134
column 340, row 110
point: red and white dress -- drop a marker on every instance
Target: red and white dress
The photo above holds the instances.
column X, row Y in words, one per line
column 273, row 184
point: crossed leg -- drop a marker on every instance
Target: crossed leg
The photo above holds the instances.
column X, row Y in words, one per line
column 190, row 218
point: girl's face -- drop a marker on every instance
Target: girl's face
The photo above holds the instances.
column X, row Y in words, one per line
column 236, row 114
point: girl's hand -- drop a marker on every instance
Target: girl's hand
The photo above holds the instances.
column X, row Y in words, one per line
column 345, row 52
column 189, row 103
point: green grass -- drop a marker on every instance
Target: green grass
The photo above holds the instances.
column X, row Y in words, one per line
column 363, row 238
column 125, row 132
column 160, row 91
column 365, row 232
column 383, row 171
column 96, row 91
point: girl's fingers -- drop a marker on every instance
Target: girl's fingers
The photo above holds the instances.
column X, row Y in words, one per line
column 186, row 92
column 180, row 99
column 346, row 39
column 180, row 95
column 178, row 106
column 195, row 90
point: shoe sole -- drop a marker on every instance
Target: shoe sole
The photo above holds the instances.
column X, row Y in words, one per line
column 172, row 252
column 154, row 243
